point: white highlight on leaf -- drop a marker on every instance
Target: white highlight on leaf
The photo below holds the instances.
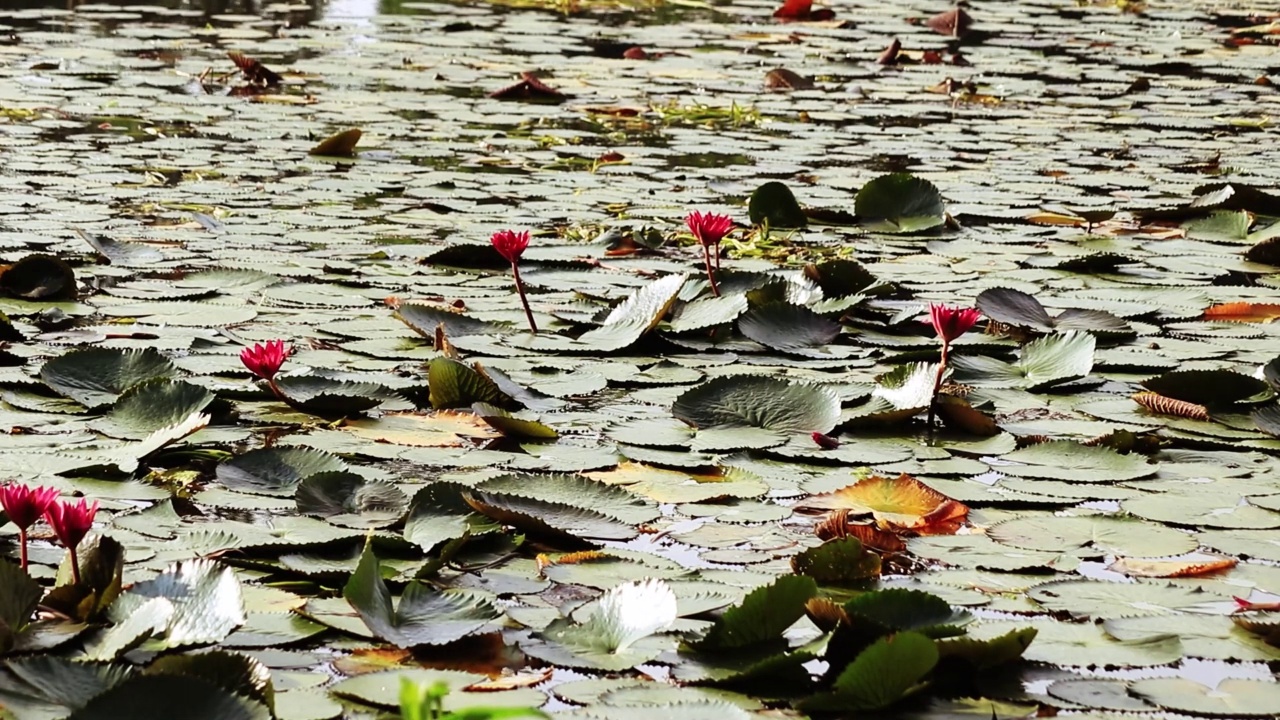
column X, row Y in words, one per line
column 633, row 611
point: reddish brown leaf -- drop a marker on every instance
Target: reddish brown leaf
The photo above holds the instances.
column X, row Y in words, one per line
column 1191, row 567
column 890, row 54
column 529, row 88
column 901, row 503
column 784, row 79
column 254, row 71
column 635, row 53
column 1157, row 403
column 954, row 22
column 1243, row 312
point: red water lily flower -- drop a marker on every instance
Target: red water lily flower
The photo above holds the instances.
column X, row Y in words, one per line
column 265, row 360
column 709, row 229
column 951, row 322
column 511, row 246
column 24, row 505
column 71, row 522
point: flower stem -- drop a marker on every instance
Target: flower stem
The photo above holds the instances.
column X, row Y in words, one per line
column 937, row 383
column 275, row 389
column 22, row 540
column 75, row 566
column 711, row 275
column 524, row 300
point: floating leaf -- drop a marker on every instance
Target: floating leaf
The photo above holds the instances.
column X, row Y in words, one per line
column 1042, row 364
column 39, row 277
column 635, row 316
column 762, row 616
column 1161, row 405
column 99, row 376
column 513, row 426
column 773, row 203
column 19, row 596
column 761, row 402
column 1066, row 460
column 327, row 397
column 153, row 405
column 900, row 203
column 788, row 328
column 347, row 499
column 896, row 503
column 455, row 385
column 1214, row 389
column 276, row 471
column 205, row 597
column 423, row 616
column 425, row 319
column 342, row 144
column 898, row 609
column 1016, row 308
column 153, row 697
column 842, row 563
column 891, row 669
column 1232, row 697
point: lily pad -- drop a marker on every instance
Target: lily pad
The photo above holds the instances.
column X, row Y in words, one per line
column 900, row 203
column 99, row 376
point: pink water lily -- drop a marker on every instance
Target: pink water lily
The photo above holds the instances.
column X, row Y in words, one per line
column 709, row 229
column 511, row 246
column 71, row 522
column 24, row 505
column 952, row 322
column 949, row 323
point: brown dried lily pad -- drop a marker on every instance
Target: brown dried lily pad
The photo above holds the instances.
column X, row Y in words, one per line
column 784, row 79
column 954, row 22
column 342, row 144
column 255, row 72
column 529, row 88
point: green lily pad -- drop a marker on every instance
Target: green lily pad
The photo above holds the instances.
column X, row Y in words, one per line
column 327, row 397
column 842, row 562
column 1066, row 460
column 759, row 401
column 351, row 500
column 99, row 376
column 788, row 328
column 1211, row 388
column 276, row 471
column 1232, row 697
column 762, row 616
column 900, row 203
column 205, row 597
column 423, row 616
column 39, row 277
column 774, row 203
column 891, row 669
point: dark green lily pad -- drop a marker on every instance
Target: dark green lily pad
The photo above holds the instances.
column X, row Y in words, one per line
column 276, row 471
column 774, row 204
column 900, row 203
column 99, row 376
column 351, row 500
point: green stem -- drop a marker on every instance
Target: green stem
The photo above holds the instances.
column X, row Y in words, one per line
column 75, row 566
column 524, row 300
column 22, row 540
column 937, row 383
column 711, row 276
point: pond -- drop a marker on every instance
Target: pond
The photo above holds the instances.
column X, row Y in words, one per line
column 861, row 358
